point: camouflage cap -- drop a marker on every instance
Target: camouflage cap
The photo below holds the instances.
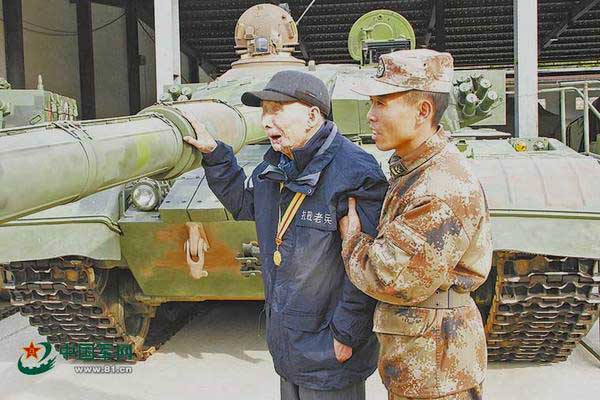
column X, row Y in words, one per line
column 400, row 71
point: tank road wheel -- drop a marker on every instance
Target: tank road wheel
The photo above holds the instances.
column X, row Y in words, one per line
column 537, row 308
column 130, row 316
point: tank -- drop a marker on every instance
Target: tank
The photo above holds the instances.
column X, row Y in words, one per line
column 140, row 234
column 29, row 107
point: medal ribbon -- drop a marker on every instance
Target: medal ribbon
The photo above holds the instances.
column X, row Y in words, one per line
column 285, row 221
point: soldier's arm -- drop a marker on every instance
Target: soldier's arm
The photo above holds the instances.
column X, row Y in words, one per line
column 411, row 256
column 228, row 182
column 352, row 320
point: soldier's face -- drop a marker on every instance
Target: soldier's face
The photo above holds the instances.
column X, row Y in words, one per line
column 288, row 125
column 393, row 120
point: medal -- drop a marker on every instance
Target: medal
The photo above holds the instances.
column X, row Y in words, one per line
column 277, row 258
column 285, row 222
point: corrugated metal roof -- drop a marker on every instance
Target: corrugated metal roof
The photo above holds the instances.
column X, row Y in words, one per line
column 476, row 32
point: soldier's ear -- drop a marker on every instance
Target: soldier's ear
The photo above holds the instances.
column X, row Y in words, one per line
column 425, row 110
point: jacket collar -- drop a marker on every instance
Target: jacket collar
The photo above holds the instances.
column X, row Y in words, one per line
column 304, row 155
column 305, row 170
column 416, row 158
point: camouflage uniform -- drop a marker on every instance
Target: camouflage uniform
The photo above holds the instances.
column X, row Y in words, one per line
column 432, row 249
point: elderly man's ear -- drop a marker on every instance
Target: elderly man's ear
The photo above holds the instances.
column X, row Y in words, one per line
column 315, row 118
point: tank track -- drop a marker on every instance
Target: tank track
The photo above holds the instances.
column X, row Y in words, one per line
column 6, row 309
column 63, row 299
column 542, row 307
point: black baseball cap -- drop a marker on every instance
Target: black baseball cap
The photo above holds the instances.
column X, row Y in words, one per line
column 292, row 85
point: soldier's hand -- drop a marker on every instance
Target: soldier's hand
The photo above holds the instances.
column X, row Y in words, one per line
column 350, row 224
column 204, row 142
column 342, row 352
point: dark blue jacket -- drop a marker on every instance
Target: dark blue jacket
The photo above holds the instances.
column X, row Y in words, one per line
column 309, row 299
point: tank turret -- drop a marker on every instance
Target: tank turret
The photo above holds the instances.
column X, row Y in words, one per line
column 267, row 34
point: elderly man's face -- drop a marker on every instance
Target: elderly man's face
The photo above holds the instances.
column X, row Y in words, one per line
column 288, row 125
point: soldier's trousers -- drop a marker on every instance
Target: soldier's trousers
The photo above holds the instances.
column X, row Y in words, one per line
column 289, row 391
column 475, row 393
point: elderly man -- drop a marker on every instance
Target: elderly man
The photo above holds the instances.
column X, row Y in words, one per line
column 433, row 245
column 319, row 325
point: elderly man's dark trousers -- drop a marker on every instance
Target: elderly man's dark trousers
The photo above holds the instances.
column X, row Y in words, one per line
column 289, row 391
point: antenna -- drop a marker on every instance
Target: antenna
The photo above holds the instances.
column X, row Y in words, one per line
column 305, row 11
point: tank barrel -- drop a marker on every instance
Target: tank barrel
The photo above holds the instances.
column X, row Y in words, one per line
column 48, row 165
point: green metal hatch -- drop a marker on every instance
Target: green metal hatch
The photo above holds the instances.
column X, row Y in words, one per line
column 381, row 28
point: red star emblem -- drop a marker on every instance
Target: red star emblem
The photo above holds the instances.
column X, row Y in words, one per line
column 31, row 351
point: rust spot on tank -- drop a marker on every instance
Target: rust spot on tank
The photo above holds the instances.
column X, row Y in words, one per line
column 173, row 232
column 172, row 238
column 219, row 255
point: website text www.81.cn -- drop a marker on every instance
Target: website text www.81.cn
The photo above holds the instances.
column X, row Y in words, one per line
column 103, row 369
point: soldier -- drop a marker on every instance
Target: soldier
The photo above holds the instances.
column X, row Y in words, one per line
column 433, row 245
column 319, row 325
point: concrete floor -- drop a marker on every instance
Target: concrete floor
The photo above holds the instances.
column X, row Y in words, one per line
column 222, row 355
